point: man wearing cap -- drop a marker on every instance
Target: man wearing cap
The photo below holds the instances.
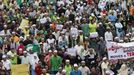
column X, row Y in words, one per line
column 119, row 29
column 14, row 37
column 84, row 69
column 5, row 31
column 24, row 58
column 7, row 65
column 68, row 67
column 104, row 65
column 75, row 71
column 108, row 35
column 55, row 61
column 33, row 30
column 59, row 71
column 13, row 56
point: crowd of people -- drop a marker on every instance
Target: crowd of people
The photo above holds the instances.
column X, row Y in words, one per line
column 65, row 37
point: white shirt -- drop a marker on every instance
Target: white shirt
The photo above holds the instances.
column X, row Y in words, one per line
column 124, row 5
column 24, row 60
column 72, row 51
column 118, row 25
column 60, row 39
column 7, row 64
column 32, row 60
column 46, row 46
column 43, row 20
column 60, row 3
column 2, row 33
column 74, row 32
column 56, row 34
column 51, row 41
column 79, row 49
column 104, row 66
column 67, row 13
column 85, row 70
column 108, row 36
column 11, row 54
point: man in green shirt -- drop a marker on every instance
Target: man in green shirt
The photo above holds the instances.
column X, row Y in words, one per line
column 68, row 67
column 55, row 61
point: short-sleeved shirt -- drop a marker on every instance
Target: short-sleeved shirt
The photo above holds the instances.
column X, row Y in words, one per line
column 55, row 62
column 92, row 27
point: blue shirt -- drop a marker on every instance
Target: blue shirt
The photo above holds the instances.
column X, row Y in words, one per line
column 112, row 18
column 75, row 72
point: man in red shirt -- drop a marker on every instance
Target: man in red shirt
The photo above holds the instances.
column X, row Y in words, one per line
column 38, row 69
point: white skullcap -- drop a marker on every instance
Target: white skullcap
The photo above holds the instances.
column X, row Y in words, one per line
column 24, row 51
column 5, row 25
column 100, row 23
column 92, row 14
column 20, row 48
column 21, row 37
column 33, row 25
column 64, row 71
column 58, row 17
column 104, row 58
column 67, row 60
column 13, row 32
column 70, row 21
column 4, row 56
column 127, row 34
column 75, row 65
column 116, row 38
column 55, row 51
column 82, row 61
column 40, row 43
column 107, row 72
column 50, row 51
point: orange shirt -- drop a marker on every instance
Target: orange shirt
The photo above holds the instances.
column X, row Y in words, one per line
column 15, row 39
column 132, row 11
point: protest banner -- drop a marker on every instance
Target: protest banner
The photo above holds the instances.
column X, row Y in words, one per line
column 21, row 69
column 120, row 50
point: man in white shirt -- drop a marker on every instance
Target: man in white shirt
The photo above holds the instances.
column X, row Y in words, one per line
column 84, row 69
column 33, row 59
column 5, row 32
column 72, row 51
column 104, row 66
column 24, row 59
column 11, row 53
column 6, row 64
column 51, row 40
column 108, row 35
column 119, row 30
column 80, row 50
column 74, row 34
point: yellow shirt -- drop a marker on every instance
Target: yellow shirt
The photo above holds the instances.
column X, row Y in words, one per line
column 92, row 27
column 26, row 32
column 15, row 39
column 5, row 2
